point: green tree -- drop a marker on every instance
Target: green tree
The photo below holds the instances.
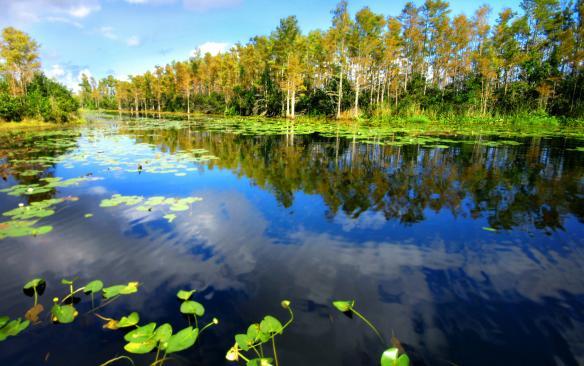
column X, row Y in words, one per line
column 19, row 59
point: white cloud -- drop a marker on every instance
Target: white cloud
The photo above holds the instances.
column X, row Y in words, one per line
column 195, row 5
column 133, row 41
column 65, row 11
column 81, row 11
column 68, row 75
column 213, row 48
column 64, row 20
column 202, row 5
column 56, row 72
column 108, row 32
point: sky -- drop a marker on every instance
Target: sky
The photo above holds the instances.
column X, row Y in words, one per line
column 128, row 37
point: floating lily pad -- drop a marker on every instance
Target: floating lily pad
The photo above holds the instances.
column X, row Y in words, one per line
column 130, row 288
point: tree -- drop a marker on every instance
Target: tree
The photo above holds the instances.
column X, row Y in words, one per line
column 339, row 31
column 19, row 59
column 365, row 43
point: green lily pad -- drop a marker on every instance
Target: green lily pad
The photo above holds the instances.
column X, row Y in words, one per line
column 344, row 306
column 130, row 288
column 270, row 325
column 93, row 287
column 182, row 340
column 141, row 334
column 35, row 283
column 10, row 328
column 185, row 295
column 192, row 307
column 163, row 333
column 63, row 314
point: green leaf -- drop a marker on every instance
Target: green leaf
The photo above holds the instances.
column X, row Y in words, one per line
column 270, row 325
column 163, row 333
column 93, row 287
column 141, row 334
column 113, row 291
column 192, row 307
column 129, row 321
column 34, row 283
column 11, row 328
column 182, row 340
column 243, row 341
column 3, row 320
column 169, row 217
column 253, row 331
column 260, row 362
column 489, row 229
column 344, row 306
column 63, row 314
column 140, row 347
column 66, row 282
column 185, row 295
column 390, row 358
column 403, row 360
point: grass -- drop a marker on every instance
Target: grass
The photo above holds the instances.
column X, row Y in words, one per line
column 36, row 124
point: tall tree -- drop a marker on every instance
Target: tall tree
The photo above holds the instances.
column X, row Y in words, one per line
column 19, row 59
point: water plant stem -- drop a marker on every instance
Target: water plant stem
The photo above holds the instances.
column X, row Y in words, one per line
column 117, row 359
column 72, row 293
column 205, row 327
column 275, row 352
column 369, row 324
column 36, row 296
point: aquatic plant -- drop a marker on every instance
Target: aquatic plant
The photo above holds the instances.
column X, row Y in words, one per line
column 256, row 336
column 391, row 356
column 145, row 338
column 51, row 183
column 24, row 217
column 172, row 203
column 37, row 286
column 10, row 328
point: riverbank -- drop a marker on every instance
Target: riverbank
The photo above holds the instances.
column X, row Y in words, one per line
column 422, row 119
column 29, row 124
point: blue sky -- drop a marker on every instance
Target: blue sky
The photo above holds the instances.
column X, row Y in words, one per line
column 121, row 37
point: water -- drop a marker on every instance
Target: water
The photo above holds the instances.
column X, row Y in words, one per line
column 471, row 254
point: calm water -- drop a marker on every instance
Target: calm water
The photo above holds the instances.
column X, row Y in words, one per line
column 399, row 228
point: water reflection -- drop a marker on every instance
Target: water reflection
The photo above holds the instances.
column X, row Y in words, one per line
column 314, row 219
column 534, row 185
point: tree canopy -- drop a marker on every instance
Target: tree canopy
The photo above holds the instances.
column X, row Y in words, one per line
column 24, row 91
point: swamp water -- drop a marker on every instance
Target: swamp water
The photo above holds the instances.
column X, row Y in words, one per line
column 466, row 245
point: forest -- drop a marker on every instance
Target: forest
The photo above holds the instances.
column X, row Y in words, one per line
column 25, row 92
column 424, row 61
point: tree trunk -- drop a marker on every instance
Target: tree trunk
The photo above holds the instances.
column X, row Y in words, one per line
column 293, row 103
column 340, row 88
column 287, row 99
column 340, row 92
column 357, row 86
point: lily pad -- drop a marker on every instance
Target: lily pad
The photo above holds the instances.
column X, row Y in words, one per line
column 182, row 340
column 192, row 307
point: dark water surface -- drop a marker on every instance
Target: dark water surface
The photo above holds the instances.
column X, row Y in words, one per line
column 470, row 253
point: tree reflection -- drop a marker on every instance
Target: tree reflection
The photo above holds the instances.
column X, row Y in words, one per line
column 535, row 184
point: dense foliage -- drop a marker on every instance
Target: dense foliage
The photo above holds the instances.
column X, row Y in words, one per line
column 24, row 91
column 425, row 60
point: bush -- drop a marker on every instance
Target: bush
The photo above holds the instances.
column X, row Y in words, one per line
column 45, row 99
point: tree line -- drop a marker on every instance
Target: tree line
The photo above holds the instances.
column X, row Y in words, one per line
column 25, row 92
column 424, row 61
